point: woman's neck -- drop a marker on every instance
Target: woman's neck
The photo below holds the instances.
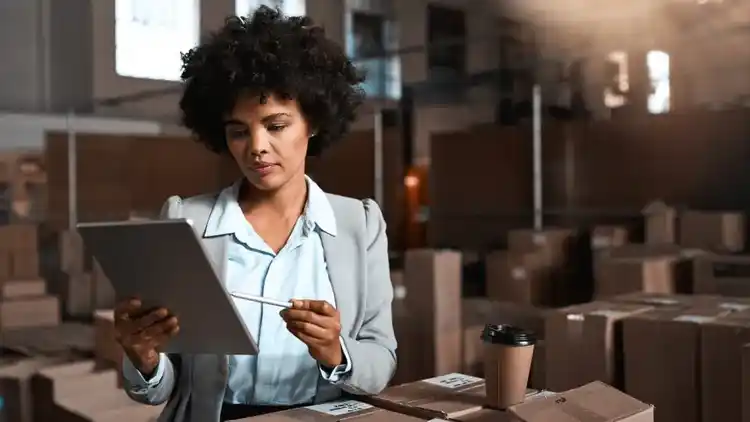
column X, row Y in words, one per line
column 289, row 200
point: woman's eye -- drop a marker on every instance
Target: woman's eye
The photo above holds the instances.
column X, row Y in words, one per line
column 236, row 133
column 276, row 128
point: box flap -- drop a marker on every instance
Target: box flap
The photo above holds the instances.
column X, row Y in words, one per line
column 593, row 402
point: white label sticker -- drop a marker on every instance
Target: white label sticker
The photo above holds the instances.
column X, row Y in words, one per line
column 607, row 313
column 734, row 307
column 575, row 317
column 599, row 242
column 698, row 319
column 438, row 420
column 538, row 239
column 453, row 380
column 518, row 273
column 339, row 408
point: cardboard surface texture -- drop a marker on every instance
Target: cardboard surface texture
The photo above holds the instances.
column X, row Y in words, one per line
column 584, row 344
column 594, row 402
column 341, row 410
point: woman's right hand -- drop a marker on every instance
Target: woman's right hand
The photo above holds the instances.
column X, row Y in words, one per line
column 143, row 332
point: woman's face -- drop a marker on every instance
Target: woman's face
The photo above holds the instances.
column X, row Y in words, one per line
column 268, row 141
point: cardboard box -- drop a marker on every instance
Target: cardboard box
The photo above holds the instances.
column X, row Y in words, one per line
column 105, row 405
column 667, row 300
column 446, row 396
column 568, row 255
column 70, row 381
column 340, row 410
column 656, row 274
column 15, row 386
column 71, row 250
column 451, row 396
column 104, row 293
column 592, row 402
column 584, row 344
column 726, row 275
column 722, row 340
column 663, row 361
column 605, row 237
column 42, row 311
column 19, row 237
column 24, row 263
column 538, row 376
column 520, row 277
column 555, row 243
column 15, row 289
column 107, row 351
column 75, row 291
column 436, row 309
column 714, row 231
column 661, row 223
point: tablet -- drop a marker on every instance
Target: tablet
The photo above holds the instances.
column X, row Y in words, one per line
column 163, row 263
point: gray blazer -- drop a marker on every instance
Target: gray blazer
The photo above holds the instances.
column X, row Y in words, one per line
column 357, row 257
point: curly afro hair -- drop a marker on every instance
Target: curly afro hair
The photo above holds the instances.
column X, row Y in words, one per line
column 269, row 53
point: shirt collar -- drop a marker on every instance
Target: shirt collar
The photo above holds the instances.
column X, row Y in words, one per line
column 227, row 211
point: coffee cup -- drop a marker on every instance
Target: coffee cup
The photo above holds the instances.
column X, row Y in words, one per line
column 507, row 362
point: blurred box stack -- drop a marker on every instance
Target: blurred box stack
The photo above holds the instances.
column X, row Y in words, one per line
column 107, row 352
column 79, row 280
column 24, row 301
column 78, row 392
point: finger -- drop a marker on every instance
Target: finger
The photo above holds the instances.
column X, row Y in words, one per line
column 151, row 318
column 327, row 322
column 318, row 306
column 124, row 308
column 311, row 330
column 160, row 328
column 309, row 340
column 157, row 342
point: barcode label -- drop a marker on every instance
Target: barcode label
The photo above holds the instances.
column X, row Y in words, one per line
column 453, row 380
column 339, row 408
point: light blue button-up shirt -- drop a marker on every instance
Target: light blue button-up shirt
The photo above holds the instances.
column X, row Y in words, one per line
column 283, row 373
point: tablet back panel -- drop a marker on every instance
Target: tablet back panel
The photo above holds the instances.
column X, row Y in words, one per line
column 163, row 263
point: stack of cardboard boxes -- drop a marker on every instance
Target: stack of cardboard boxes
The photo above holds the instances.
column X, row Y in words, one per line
column 459, row 397
column 80, row 281
column 78, row 392
column 24, row 301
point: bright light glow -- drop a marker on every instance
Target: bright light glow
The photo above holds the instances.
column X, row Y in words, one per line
column 411, row 181
column 288, row 7
column 658, row 66
column 151, row 35
column 615, row 99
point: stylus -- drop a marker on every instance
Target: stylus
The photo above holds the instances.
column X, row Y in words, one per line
column 261, row 299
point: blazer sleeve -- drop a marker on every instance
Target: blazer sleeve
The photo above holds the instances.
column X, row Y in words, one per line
column 159, row 392
column 373, row 351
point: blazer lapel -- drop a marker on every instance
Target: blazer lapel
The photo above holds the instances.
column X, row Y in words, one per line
column 339, row 255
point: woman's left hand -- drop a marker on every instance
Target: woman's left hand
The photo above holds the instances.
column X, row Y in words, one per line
column 317, row 324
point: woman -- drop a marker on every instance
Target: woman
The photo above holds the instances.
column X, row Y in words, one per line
column 270, row 90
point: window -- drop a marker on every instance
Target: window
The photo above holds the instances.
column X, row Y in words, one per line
column 659, row 99
column 150, row 37
column 369, row 38
column 288, row 7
